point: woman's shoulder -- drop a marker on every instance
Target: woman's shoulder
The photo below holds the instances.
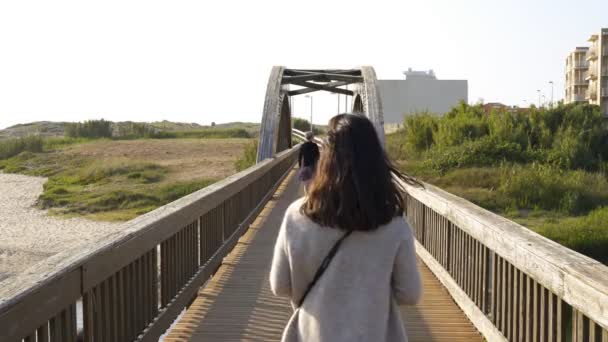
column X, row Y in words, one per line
column 398, row 228
column 293, row 213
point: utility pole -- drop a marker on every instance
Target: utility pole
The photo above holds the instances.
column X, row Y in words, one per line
column 538, row 91
column 551, row 82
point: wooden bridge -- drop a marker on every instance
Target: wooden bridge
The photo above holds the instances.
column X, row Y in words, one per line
column 197, row 269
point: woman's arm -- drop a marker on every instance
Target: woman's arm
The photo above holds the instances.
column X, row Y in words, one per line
column 406, row 277
column 280, row 271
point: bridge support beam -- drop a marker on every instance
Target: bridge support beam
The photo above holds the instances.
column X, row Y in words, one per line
column 275, row 128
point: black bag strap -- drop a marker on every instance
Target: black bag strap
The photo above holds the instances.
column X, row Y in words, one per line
column 323, row 266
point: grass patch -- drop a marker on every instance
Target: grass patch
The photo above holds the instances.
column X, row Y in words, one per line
column 587, row 234
column 12, row 147
column 249, row 156
column 112, row 189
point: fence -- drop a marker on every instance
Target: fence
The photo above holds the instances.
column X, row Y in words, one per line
column 135, row 283
column 513, row 284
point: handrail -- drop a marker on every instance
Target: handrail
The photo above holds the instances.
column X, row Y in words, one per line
column 135, row 282
column 510, row 281
column 302, row 135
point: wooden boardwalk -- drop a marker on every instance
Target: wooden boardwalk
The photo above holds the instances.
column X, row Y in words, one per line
column 237, row 305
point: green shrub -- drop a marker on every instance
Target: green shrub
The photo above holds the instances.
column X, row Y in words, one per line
column 249, row 157
column 178, row 190
column 89, row 129
column 212, row 133
column 419, row 131
column 551, row 188
column 462, row 123
column 98, row 171
column 12, row 147
column 304, row 125
column 482, row 152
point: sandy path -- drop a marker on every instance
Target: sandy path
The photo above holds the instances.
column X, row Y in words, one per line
column 28, row 235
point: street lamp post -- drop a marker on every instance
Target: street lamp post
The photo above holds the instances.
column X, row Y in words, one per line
column 538, row 91
column 551, row 82
column 544, row 100
column 311, row 127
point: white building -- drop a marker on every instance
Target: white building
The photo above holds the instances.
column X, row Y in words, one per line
column 420, row 91
column 597, row 75
column 576, row 74
column 587, row 73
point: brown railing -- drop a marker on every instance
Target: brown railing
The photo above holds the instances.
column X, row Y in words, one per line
column 136, row 282
column 513, row 284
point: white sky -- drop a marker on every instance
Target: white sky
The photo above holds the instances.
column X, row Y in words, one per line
column 203, row 61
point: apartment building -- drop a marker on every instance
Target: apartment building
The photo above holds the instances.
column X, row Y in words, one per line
column 587, row 72
column 597, row 75
column 576, row 75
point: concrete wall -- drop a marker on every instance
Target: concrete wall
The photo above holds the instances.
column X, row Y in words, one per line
column 413, row 95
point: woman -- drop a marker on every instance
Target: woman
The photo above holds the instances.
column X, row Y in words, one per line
column 307, row 160
column 351, row 222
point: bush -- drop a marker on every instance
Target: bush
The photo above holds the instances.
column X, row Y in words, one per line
column 419, row 131
column 481, row 152
column 550, row 188
column 249, row 157
column 462, row 123
column 13, row 147
column 213, row 133
column 89, row 129
column 97, row 171
column 304, row 126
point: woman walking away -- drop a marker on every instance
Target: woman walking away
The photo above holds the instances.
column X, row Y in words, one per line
column 307, row 161
column 345, row 255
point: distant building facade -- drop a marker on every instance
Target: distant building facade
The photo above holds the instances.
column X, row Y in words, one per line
column 576, row 75
column 419, row 91
column 587, row 73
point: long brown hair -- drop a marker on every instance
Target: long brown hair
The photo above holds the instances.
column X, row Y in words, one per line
column 353, row 187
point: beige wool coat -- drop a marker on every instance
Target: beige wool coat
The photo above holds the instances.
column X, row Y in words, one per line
column 357, row 297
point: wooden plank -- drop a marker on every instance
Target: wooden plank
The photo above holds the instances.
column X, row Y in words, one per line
column 38, row 304
column 236, row 304
column 43, row 333
column 523, row 319
column 515, row 305
column 474, row 314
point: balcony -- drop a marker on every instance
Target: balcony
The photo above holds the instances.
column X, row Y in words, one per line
column 580, row 81
column 581, row 64
column 578, row 98
column 605, row 92
column 605, row 51
column 604, row 72
column 592, row 54
column 591, row 75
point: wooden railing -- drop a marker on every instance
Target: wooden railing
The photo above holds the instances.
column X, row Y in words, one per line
column 513, row 284
column 134, row 284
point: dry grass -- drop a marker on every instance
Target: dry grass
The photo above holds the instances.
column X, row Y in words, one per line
column 113, row 180
column 185, row 159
